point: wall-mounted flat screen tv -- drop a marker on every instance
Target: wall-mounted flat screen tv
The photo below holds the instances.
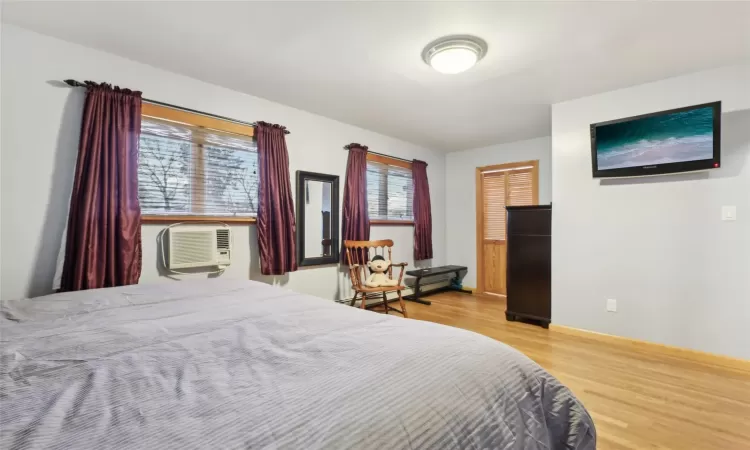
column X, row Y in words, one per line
column 677, row 140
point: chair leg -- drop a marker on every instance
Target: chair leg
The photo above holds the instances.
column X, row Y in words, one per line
column 363, row 302
column 385, row 303
column 354, row 299
column 403, row 305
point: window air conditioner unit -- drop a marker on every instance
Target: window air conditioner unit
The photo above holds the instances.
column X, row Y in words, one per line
column 199, row 246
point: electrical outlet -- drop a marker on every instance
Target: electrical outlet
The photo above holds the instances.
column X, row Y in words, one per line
column 611, row 305
column 729, row 212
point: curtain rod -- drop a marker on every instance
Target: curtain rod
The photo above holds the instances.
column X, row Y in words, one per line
column 74, row 83
column 346, row 147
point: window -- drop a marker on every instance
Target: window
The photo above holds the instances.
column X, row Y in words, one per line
column 194, row 167
column 390, row 190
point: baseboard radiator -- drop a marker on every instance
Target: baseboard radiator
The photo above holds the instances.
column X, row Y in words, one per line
column 376, row 297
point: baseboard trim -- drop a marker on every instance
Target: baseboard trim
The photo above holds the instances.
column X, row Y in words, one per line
column 486, row 294
column 695, row 355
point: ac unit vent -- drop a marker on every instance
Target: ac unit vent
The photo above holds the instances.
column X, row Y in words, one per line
column 222, row 239
column 199, row 246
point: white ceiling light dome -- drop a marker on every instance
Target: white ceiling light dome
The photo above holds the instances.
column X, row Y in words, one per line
column 454, row 54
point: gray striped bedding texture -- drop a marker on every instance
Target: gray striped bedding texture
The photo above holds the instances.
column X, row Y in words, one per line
column 216, row 364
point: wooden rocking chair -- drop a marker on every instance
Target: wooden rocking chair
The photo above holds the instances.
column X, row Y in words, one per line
column 357, row 255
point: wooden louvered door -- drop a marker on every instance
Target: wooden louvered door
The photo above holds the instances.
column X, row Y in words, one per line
column 494, row 199
column 498, row 186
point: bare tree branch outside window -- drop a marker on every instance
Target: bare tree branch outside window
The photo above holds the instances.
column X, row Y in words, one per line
column 163, row 175
column 226, row 178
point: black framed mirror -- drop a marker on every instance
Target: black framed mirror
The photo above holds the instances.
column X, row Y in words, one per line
column 317, row 218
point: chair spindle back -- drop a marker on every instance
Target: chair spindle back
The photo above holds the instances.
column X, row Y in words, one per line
column 359, row 253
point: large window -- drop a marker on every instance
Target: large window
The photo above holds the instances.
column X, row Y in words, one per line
column 194, row 167
column 390, row 190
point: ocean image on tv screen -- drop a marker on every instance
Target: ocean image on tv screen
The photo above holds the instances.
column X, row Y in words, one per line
column 669, row 138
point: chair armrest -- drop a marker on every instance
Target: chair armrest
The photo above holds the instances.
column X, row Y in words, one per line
column 400, row 275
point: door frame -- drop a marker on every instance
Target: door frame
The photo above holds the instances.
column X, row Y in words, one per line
column 480, row 207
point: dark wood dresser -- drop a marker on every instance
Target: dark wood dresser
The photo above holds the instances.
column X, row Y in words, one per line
column 529, row 266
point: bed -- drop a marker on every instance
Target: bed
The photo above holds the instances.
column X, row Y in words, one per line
column 239, row 364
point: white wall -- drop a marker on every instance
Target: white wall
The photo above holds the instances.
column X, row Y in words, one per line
column 40, row 128
column 460, row 203
column 657, row 245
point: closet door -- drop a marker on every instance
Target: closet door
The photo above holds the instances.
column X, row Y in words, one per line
column 494, row 248
column 514, row 184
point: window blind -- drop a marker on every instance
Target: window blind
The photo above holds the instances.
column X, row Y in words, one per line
column 187, row 170
column 501, row 188
column 390, row 192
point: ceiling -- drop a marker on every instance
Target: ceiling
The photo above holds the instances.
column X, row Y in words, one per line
column 359, row 62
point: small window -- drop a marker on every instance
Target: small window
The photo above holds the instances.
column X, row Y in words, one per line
column 390, row 190
column 194, row 167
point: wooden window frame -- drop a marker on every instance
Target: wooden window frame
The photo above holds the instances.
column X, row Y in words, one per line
column 387, row 160
column 508, row 167
column 200, row 121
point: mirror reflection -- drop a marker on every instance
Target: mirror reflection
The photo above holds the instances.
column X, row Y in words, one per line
column 318, row 229
column 317, row 218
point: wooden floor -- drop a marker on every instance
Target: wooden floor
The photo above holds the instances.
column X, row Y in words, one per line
column 641, row 396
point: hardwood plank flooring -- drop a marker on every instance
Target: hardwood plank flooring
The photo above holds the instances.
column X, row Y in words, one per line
column 641, row 396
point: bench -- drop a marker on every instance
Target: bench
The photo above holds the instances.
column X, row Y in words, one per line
column 433, row 272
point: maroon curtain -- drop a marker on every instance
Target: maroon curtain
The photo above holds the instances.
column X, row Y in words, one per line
column 276, row 224
column 422, row 212
column 355, row 221
column 103, row 247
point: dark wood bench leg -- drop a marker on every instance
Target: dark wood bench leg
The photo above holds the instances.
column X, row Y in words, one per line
column 415, row 296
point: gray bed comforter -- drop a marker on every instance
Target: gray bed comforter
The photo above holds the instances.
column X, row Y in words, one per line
column 217, row 364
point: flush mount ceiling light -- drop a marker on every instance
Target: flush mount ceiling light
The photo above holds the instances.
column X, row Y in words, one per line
column 454, row 54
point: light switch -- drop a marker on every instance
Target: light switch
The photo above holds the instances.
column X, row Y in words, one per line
column 729, row 212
